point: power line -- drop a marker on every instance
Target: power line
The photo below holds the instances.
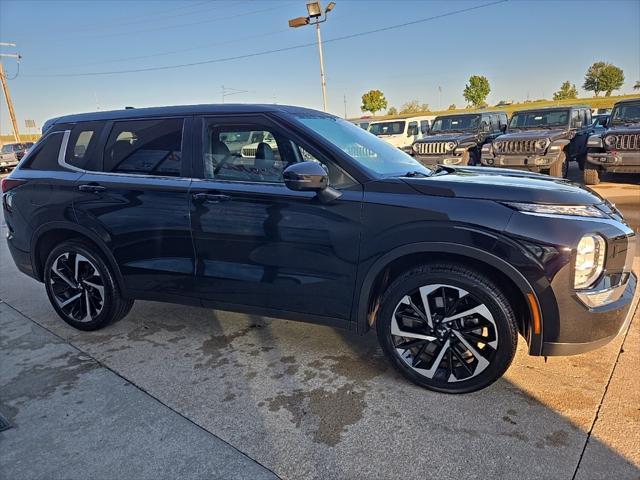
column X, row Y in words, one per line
column 277, row 50
column 182, row 50
column 191, row 24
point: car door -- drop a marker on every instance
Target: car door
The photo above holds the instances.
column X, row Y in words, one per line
column 134, row 195
column 260, row 246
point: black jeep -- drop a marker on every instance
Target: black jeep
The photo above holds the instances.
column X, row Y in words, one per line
column 542, row 140
column 617, row 149
column 457, row 139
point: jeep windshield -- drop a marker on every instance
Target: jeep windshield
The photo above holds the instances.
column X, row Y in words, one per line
column 457, row 123
column 539, row 119
column 629, row 113
column 373, row 154
column 387, row 128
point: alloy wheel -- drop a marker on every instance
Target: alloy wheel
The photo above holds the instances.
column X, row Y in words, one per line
column 77, row 287
column 444, row 333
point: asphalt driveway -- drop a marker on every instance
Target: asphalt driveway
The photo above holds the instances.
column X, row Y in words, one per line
column 180, row 392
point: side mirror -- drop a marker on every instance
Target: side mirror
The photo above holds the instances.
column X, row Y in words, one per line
column 310, row 177
column 503, row 128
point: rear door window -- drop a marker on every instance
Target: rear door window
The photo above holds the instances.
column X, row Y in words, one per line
column 83, row 143
column 145, row 147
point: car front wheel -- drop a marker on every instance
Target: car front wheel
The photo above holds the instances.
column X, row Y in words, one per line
column 81, row 287
column 447, row 328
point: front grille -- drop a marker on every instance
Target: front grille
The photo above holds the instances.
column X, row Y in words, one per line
column 249, row 152
column 515, row 146
column 627, row 141
column 432, row 148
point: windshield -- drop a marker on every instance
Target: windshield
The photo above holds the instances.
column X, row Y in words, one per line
column 387, row 128
column 626, row 113
column 541, row 119
column 455, row 123
column 375, row 155
column 7, row 149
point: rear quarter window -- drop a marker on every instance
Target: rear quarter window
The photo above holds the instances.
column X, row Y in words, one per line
column 45, row 157
column 82, row 146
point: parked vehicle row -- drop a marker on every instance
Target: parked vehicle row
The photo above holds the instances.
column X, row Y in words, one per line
column 293, row 213
column 542, row 140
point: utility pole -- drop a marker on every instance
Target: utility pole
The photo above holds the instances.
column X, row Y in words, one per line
column 345, row 106
column 439, row 98
column 5, row 89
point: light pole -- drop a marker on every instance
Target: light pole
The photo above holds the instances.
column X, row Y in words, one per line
column 316, row 17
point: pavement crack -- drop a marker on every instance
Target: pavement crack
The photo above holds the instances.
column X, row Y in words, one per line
column 606, row 389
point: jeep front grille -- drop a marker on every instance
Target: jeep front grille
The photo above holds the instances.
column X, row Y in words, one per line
column 249, row 152
column 431, row 148
column 515, row 146
column 627, row 141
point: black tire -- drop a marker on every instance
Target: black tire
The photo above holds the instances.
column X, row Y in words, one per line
column 560, row 168
column 82, row 288
column 473, row 288
column 591, row 176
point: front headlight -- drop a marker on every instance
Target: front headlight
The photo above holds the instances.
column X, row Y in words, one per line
column 542, row 144
column 610, row 140
column 594, row 141
column 450, row 146
column 570, row 210
column 589, row 260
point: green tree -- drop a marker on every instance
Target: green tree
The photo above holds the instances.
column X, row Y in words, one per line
column 567, row 91
column 452, row 106
column 414, row 106
column 373, row 101
column 637, row 85
column 392, row 111
column 477, row 90
column 603, row 77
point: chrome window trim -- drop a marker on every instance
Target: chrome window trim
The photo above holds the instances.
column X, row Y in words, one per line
column 63, row 152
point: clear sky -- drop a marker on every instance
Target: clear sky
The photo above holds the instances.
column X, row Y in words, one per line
column 525, row 48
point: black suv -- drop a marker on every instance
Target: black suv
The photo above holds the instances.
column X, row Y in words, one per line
column 542, row 140
column 457, row 139
column 618, row 148
column 323, row 223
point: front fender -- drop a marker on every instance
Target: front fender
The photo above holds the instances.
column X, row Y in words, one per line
column 503, row 248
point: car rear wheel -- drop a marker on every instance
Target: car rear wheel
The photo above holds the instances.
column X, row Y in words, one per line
column 447, row 328
column 591, row 176
column 81, row 287
column 560, row 168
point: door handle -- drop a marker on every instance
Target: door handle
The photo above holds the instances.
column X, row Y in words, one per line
column 91, row 188
column 211, row 197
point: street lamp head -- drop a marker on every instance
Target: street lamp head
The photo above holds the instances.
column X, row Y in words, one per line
column 330, row 7
column 298, row 22
column 314, row 9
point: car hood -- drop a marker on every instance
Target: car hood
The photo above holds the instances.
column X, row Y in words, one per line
column 623, row 129
column 503, row 185
column 533, row 134
column 449, row 137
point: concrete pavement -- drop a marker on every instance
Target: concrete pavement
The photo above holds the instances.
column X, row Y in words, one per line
column 308, row 401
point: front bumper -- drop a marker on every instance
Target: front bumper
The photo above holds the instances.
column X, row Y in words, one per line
column 616, row 161
column 607, row 323
column 532, row 162
column 10, row 163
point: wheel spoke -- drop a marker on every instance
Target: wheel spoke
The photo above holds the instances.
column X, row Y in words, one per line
column 416, row 357
column 59, row 273
column 69, row 300
column 424, row 295
column 481, row 310
column 436, row 362
column 482, row 362
column 99, row 288
column 410, row 344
